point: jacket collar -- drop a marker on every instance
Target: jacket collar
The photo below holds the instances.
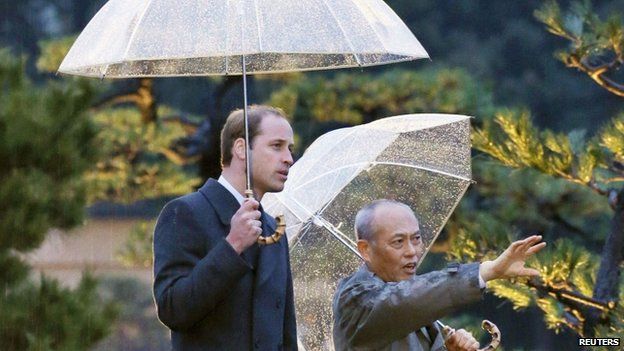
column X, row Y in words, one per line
column 225, row 204
column 222, row 200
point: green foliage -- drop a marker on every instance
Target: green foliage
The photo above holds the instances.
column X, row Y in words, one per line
column 475, row 234
column 137, row 251
column 615, row 327
column 318, row 103
column 46, row 316
column 46, row 143
column 504, row 205
column 611, row 137
column 505, row 201
column 554, row 314
column 52, row 53
column 587, row 33
column 135, row 166
column 513, row 140
column 519, row 294
column 596, row 46
column 567, row 270
column 563, row 261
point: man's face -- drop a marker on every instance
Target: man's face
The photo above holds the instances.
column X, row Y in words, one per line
column 397, row 245
column 271, row 154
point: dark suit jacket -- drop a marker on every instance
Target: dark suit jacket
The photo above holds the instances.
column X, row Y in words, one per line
column 210, row 297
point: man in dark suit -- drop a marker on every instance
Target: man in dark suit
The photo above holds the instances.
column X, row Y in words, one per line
column 386, row 306
column 214, row 287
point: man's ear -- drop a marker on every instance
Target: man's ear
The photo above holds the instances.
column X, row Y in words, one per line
column 363, row 246
column 238, row 149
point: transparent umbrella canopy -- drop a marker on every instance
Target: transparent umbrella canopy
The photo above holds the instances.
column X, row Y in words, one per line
column 157, row 38
column 422, row 160
column 161, row 38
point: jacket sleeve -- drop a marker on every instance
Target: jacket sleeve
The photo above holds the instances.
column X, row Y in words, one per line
column 373, row 314
column 188, row 283
column 290, row 323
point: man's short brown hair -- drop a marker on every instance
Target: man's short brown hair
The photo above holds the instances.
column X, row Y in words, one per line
column 234, row 128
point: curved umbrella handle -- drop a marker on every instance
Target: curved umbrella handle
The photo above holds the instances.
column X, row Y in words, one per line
column 485, row 325
column 281, row 229
column 494, row 332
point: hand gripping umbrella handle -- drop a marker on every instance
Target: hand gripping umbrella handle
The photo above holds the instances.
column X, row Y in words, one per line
column 281, row 227
column 485, row 325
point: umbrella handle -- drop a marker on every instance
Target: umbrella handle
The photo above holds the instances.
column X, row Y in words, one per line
column 281, row 226
column 281, row 229
column 485, row 325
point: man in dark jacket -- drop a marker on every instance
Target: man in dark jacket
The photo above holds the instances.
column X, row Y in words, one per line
column 386, row 306
column 214, row 287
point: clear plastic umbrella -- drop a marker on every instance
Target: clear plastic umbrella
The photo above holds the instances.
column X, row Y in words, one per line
column 422, row 160
column 160, row 38
column 157, row 38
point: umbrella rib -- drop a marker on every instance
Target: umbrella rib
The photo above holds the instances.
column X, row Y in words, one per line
column 353, row 52
column 339, row 235
column 331, row 150
column 258, row 26
column 136, row 27
column 278, row 195
column 451, row 175
column 344, row 239
column 356, row 3
column 297, row 239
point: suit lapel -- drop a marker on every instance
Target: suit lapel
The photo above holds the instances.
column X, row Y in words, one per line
column 225, row 204
column 221, row 199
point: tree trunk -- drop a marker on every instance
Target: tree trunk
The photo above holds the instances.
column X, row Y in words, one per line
column 607, row 286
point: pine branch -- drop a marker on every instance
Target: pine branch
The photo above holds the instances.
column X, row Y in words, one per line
column 516, row 143
column 591, row 38
column 578, row 307
column 143, row 98
column 597, row 73
column 190, row 126
column 570, row 297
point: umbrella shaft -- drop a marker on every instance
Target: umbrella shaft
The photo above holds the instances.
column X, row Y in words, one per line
column 248, row 190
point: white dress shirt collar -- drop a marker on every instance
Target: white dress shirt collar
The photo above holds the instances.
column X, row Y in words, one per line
column 231, row 189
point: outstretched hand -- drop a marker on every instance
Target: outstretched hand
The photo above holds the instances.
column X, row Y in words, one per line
column 511, row 262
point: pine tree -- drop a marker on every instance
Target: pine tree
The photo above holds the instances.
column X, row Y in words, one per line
column 139, row 157
column 579, row 290
column 46, row 143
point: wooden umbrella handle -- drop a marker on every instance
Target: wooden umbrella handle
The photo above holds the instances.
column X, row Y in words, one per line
column 281, row 229
column 494, row 332
column 485, row 325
